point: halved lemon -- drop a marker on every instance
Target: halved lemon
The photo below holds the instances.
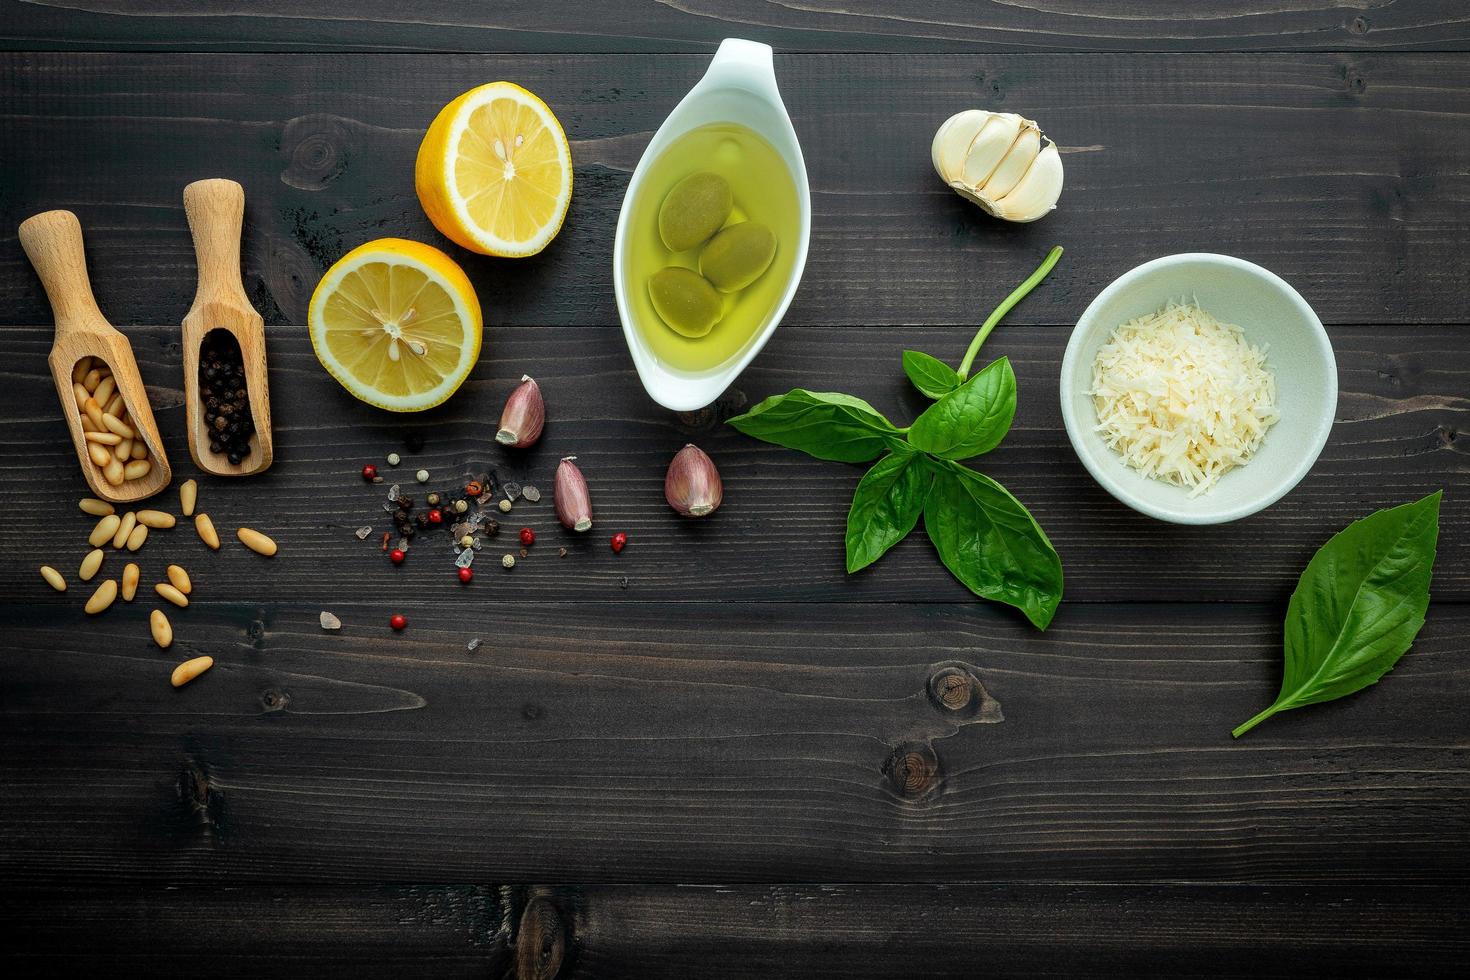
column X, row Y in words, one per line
column 397, row 323
column 494, row 172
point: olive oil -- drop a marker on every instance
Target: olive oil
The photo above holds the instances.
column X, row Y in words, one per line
column 762, row 191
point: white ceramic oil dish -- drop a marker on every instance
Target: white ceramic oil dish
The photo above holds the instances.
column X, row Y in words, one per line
column 1274, row 316
column 739, row 87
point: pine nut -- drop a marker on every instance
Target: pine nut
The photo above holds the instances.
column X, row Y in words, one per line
column 102, row 598
column 180, row 579
column 188, row 494
column 90, row 564
column 80, row 369
column 104, row 530
column 190, row 669
column 117, row 425
column 87, row 425
column 113, row 472
column 123, row 449
column 103, row 438
column 172, row 594
column 140, row 449
column 130, row 581
column 136, row 539
column 81, row 394
column 95, row 507
column 53, row 578
column 92, row 379
column 206, row 530
column 99, row 454
column 124, row 528
column 93, row 411
column 163, row 632
column 115, row 406
column 105, row 390
column 256, row 542
column 156, row 518
column 137, row 469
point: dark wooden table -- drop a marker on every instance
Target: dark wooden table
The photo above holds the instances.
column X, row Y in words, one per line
column 716, row 755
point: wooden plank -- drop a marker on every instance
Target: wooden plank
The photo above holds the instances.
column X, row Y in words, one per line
column 1347, row 174
column 751, row 931
column 1403, row 418
column 714, row 742
column 643, row 26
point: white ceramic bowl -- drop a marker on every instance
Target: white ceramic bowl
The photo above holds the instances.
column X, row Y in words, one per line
column 739, row 87
column 1272, row 314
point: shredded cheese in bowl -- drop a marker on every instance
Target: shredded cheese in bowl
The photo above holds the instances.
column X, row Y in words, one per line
column 1182, row 397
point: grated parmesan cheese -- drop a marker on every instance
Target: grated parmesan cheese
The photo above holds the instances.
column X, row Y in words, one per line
column 1182, row 397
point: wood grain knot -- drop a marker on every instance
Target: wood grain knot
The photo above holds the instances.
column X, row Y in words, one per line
column 317, row 147
column 541, row 941
column 199, row 798
column 711, row 417
column 273, row 700
column 1359, row 25
column 956, row 691
column 913, row 770
column 952, row 689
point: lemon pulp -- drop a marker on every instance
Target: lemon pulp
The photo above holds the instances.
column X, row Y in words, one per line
column 494, row 171
column 397, row 323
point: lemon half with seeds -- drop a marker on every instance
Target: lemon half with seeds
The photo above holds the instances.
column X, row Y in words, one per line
column 397, row 323
column 494, row 172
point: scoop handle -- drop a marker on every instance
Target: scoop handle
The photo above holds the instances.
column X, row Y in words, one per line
column 216, row 212
column 53, row 242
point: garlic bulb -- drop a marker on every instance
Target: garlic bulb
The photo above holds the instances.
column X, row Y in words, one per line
column 1000, row 161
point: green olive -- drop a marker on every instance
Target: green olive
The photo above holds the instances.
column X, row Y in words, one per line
column 694, row 210
column 685, row 300
column 738, row 256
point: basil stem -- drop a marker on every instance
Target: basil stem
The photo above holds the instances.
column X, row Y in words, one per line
column 1017, row 294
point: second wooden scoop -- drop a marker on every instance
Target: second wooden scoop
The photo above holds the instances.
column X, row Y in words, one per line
column 53, row 242
column 216, row 211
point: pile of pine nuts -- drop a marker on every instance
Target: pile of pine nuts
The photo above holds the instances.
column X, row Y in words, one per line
column 129, row 532
column 113, row 445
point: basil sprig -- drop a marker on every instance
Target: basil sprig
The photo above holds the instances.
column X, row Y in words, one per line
column 984, row 536
column 1357, row 607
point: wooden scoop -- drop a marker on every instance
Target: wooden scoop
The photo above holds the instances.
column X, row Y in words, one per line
column 53, row 242
column 216, row 210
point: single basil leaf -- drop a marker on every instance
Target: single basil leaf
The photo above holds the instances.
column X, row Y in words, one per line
column 1358, row 606
column 991, row 543
column 886, row 506
column 972, row 419
column 930, row 375
column 823, row 424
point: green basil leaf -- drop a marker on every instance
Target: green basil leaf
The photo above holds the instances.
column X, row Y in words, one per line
column 886, row 506
column 1358, row 606
column 824, row 424
column 930, row 375
column 991, row 543
column 972, row 419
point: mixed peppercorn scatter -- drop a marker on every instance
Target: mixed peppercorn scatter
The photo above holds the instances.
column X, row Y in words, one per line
column 224, row 396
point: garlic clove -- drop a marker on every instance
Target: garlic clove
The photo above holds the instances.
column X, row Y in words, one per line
column 692, row 485
column 990, row 148
column 523, row 417
column 1017, row 161
column 573, row 502
column 1038, row 190
column 952, row 142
